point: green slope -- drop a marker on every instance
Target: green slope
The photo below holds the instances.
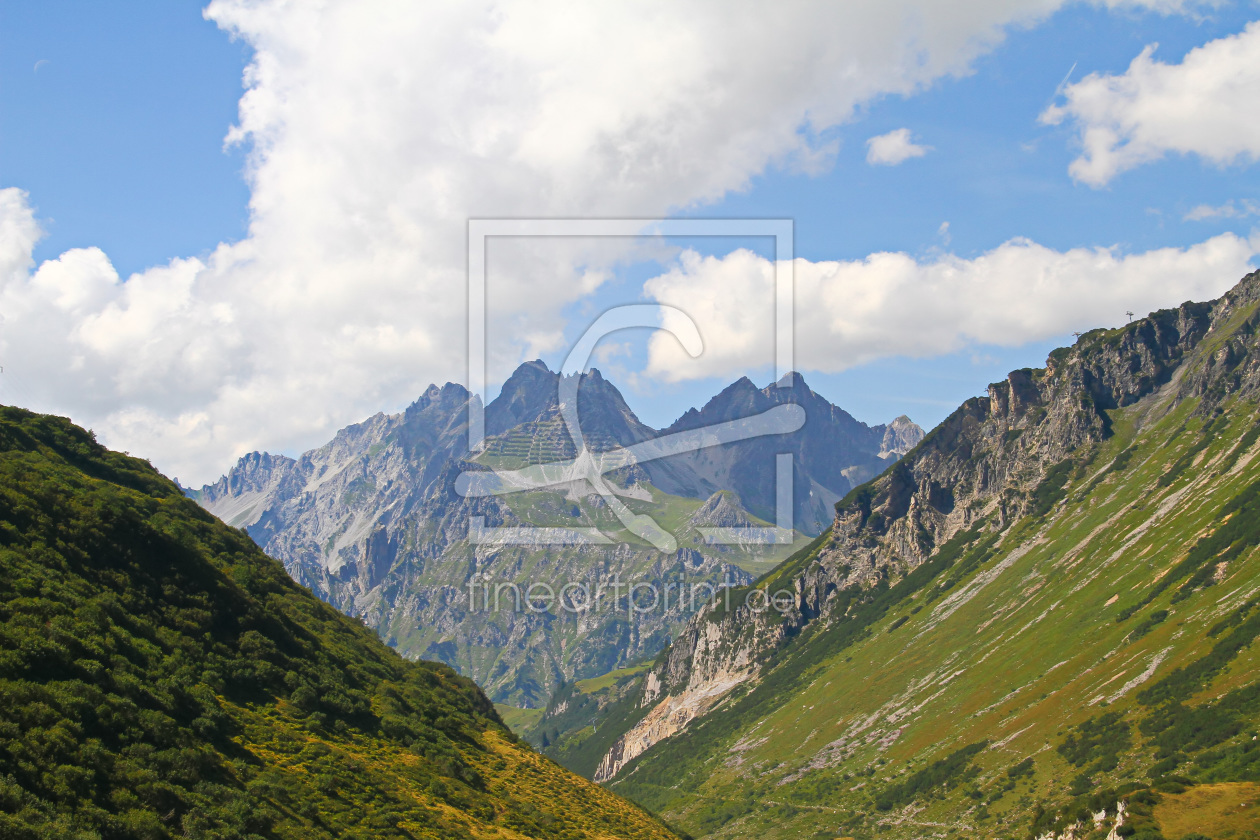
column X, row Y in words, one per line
column 526, row 674
column 1088, row 638
column 161, row 677
column 1018, row 666
column 583, row 719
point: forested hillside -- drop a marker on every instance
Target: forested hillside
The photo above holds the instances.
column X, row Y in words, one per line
column 161, row 677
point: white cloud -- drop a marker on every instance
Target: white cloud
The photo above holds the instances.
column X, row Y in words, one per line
column 1228, row 210
column 376, row 129
column 1203, row 106
column 890, row 304
column 893, row 148
column 18, row 234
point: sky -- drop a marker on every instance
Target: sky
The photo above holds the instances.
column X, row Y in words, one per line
column 242, row 226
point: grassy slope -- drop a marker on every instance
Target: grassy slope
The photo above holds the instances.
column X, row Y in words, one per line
column 518, row 720
column 1227, row 811
column 1022, row 650
column 160, row 676
column 610, row 679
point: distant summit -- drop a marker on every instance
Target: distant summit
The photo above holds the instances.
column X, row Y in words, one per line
column 372, row 520
column 831, row 454
column 900, row 436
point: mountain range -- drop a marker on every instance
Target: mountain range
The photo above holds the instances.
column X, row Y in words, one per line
column 374, row 521
column 1040, row 622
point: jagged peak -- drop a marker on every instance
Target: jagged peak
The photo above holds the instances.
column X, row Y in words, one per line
column 740, row 387
column 246, row 467
column 794, row 381
column 529, row 372
column 434, row 393
column 1248, row 286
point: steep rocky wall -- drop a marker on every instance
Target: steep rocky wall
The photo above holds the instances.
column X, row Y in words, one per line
column 983, row 464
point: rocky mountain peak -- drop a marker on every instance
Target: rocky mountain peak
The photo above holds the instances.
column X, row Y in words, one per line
column 450, row 395
column 794, row 382
column 372, row 520
column 739, row 399
column 900, row 436
column 527, row 395
column 721, row 510
column 531, row 395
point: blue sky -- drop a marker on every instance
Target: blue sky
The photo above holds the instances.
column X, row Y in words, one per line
column 114, row 119
column 994, row 173
column 118, row 136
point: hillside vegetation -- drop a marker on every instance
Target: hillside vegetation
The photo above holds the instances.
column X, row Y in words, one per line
column 161, row 677
column 1041, row 622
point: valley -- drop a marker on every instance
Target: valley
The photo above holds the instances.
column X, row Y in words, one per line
column 630, row 421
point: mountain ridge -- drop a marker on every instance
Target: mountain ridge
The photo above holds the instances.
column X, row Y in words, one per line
column 983, row 494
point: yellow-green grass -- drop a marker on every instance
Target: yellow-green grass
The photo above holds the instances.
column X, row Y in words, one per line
column 1229, row 811
column 610, row 679
column 518, row 720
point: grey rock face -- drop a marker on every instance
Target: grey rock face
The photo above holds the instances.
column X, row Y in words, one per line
column 831, row 454
column 372, row 523
column 900, row 436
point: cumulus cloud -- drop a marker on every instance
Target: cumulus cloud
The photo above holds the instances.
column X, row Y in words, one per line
column 1203, row 106
column 890, row 304
column 375, row 130
column 893, row 148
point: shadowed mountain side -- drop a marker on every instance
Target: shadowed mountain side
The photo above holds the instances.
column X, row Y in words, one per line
column 831, row 454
